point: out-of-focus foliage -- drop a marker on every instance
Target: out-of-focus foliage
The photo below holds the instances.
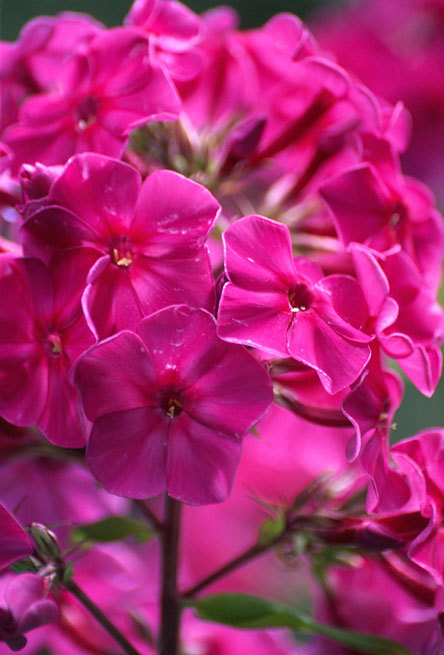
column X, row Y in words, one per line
column 253, row 13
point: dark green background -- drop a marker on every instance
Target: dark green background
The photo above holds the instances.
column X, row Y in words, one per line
column 15, row 13
column 417, row 412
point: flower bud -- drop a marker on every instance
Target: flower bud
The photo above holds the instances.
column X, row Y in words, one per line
column 46, row 540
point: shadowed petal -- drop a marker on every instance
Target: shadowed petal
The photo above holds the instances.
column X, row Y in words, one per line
column 127, row 452
column 115, row 375
column 314, row 343
column 201, row 462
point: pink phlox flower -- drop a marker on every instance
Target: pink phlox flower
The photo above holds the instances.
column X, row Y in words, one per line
column 404, row 316
column 14, row 542
column 106, row 90
column 382, row 210
column 421, row 459
column 286, row 307
column 359, row 600
column 148, row 239
column 23, row 607
column 42, row 332
column 174, row 31
column 170, row 405
column 32, row 64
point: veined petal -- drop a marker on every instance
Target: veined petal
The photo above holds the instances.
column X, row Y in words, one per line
column 115, row 375
column 201, row 462
column 314, row 343
column 174, row 215
column 255, row 318
column 258, row 255
column 101, row 192
column 127, row 452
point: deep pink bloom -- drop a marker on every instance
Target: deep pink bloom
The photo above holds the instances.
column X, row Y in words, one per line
column 33, row 64
column 106, row 90
column 23, row 608
column 42, row 332
column 421, row 460
column 170, row 406
column 174, row 30
column 148, row 239
column 397, row 49
column 286, row 307
column 383, row 599
column 382, row 209
column 14, row 542
column 403, row 316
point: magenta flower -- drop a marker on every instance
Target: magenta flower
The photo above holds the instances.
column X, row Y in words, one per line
column 403, row 314
column 148, row 239
column 23, row 608
column 287, row 308
column 170, row 406
column 106, row 90
column 174, row 30
column 380, row 208
column 14, row 542
column 33, row 64
column 42, row 332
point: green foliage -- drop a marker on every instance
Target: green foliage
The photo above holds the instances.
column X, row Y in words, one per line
column 113, row 528
column 245, row 611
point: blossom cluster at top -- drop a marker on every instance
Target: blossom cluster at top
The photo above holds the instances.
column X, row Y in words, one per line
column 200, row 225
column 397, row 49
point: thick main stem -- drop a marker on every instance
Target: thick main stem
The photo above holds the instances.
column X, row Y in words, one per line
column 170, row 601
column 101, row 618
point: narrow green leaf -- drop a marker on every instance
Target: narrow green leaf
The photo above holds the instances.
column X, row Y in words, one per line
column 113, row 528
column 245, row 611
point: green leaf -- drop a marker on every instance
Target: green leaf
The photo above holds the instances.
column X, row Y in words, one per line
column 113, row 528
column 245, row 611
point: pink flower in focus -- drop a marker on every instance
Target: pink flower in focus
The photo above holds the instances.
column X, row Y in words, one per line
column 14, row 542
column 148, row 239
column 170, row 406
column 22, row 608
column 42, row 332
column 286, row 307
column 106, row 90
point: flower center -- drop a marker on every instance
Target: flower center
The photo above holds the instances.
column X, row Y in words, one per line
column 121, row 253
column 86, row 112
column 172, row 404
column 55, row 343
column 300, row 298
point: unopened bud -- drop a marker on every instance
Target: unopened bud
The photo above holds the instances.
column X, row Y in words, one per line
column 46, row 540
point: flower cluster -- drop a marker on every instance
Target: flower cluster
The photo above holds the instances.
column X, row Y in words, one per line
column 398, row 52
column 207, row 237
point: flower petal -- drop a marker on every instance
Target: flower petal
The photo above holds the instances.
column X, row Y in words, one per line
column 127, row 452
column 201, row 462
